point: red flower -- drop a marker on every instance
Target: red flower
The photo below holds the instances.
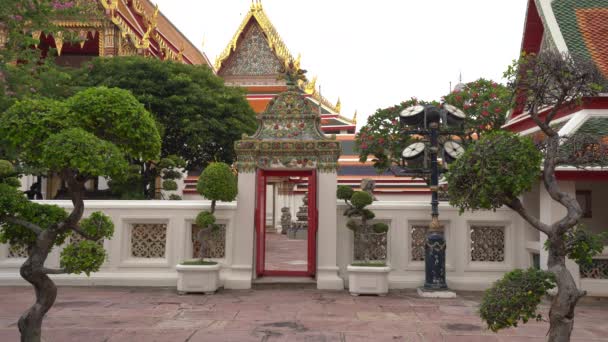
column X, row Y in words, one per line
column 458, row 98
column 486, row 104
column 475, row 94
column 381, row 141
column 497, row 110
column 364, row 146
column 485, row 113
column 493, row 95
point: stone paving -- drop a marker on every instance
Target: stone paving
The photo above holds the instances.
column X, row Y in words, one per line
column 271, row 313
column 283, row 254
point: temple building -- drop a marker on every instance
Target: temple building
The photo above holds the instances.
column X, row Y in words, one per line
column 128, row 28
column 253, row 59
column 578, row 28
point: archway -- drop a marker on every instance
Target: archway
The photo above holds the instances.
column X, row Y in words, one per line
column 292, row 252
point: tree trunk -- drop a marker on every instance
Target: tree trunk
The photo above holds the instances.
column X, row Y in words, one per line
column 561, row 315
column 30, row 323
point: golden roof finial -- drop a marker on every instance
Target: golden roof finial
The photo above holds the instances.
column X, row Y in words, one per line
column 338, row 106
column 298, row 60
column 355, row 117
column 204, row 41
column 311, row 86
column 36, row 35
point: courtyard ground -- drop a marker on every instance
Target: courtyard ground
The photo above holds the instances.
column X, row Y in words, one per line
column 272, row 313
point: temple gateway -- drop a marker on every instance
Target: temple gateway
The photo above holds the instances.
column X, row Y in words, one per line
column 287, row 224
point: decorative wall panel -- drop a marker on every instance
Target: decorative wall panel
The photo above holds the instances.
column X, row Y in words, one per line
column 487, row 243
column 17, row 252
column 215, row 242
column 418, row 239
column 148, row 240
column 597, row 270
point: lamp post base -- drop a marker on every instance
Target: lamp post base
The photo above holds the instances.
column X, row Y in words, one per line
column 430, row 293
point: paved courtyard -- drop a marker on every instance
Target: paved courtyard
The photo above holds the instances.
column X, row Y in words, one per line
column 271, row 313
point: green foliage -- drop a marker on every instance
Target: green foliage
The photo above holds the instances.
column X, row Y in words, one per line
column 6, row 169
column 380, row 228
column 360, row 199
column 369, row 264
column 381, row 138
column 205, row 219
column 217, row 183
column 493, row 171
column 485, row 104
column 117, row 116
column 82, row 257
column 28, row 123
column 174, row 197
column 200, row 117
column 515, row 298
column 582, row 245
column 344, row 192
column 14, row 204
column 33, row 75
column 169, row 185
column 98, row 226
column 76, row 149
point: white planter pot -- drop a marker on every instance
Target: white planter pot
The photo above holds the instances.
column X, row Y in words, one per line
column 368, row 280
column 198, row 278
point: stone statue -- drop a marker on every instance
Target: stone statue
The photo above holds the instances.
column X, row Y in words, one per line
column 368, row 186
column 285, row 220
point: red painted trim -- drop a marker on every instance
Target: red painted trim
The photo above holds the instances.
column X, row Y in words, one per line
column 532, row 39
column 588, row 103
column 582, row 175
column 260, row 218
column 337, row 128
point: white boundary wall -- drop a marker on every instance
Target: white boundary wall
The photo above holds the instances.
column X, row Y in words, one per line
column 121, row 269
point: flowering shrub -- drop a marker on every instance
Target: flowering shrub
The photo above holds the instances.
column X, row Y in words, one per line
column 485, row 102
column 380, row 137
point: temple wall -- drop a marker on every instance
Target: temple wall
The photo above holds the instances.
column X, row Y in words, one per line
column 152, row 237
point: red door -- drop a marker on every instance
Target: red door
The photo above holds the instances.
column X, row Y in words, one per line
column 260, row 216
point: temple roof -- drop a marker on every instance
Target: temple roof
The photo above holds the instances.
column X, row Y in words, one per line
column 257, row 20
column 149, row 28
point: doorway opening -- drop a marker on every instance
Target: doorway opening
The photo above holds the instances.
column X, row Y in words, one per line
column 286, row 223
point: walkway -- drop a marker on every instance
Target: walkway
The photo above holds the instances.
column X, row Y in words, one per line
column 270, row 314
column 285, row 254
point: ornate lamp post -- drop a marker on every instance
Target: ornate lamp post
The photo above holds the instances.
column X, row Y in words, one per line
column 432, row 129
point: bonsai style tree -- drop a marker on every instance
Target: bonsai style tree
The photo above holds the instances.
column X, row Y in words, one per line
column 92, row 134
column 501, row 166
column 216, row 183
column 360, row 216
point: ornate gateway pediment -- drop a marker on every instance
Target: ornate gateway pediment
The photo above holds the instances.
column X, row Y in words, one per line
column 289, row 136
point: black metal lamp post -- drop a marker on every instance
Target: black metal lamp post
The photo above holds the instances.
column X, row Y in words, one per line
column 420, row 159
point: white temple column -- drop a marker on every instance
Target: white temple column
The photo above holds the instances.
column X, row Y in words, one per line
column 327, row 233
column 550, row 212
column 241, row 270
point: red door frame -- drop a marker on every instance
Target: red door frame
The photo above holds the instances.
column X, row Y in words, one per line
column 260, row 215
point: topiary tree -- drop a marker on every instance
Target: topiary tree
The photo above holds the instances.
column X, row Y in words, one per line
column 500, row 167
column 216, row 183
column 359, row 215
column 94, row 134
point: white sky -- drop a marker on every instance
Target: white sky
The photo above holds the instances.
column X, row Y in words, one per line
column 373, row 54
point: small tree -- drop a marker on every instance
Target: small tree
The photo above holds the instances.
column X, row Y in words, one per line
column 93, row 134
column 500, row 167
column 216, row 183
column 360, row 216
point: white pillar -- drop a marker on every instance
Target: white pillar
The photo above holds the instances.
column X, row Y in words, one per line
column 552, row 211
column 241, row 270
column 327, row 235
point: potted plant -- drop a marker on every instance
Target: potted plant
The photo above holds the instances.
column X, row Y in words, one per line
column 216, row 183
column 364, row 276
